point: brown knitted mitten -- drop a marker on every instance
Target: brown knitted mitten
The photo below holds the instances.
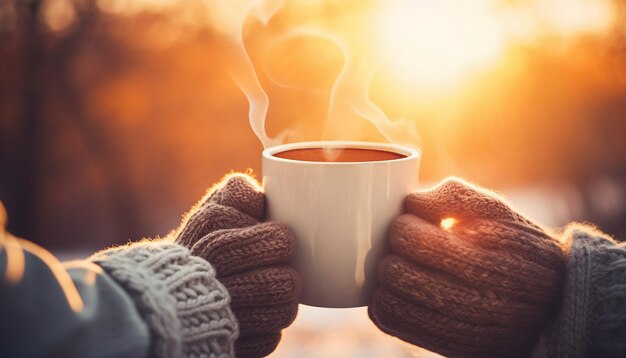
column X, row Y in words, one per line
column 249, row 257
column 484, row 287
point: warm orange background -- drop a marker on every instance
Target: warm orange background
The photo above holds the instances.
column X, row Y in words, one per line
column 115, row 116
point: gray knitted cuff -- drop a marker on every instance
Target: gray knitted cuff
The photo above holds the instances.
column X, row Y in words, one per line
column 185, row 307
column 593, row 312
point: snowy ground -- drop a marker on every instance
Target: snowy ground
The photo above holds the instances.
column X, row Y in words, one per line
column 324, row 332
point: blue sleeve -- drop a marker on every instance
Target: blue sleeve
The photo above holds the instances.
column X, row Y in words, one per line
column 50, row 309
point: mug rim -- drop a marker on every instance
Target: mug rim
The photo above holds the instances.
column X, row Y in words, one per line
column 409, row 152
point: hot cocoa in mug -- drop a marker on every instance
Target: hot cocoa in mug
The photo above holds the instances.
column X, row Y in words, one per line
column 344, row 155
column 339, row 199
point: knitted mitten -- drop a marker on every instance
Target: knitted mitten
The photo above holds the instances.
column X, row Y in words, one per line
column 184, row 306
column 484, row 287
column 249, row 257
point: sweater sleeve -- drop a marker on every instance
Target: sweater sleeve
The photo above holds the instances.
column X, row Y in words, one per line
column 50, row 309
column 187, row 310
column 592, row 317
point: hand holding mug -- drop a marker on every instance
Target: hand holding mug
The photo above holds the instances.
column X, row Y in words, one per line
column 483, row 287
column 249, row 256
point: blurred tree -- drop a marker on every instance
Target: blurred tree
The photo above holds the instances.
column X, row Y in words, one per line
column 44, row 62
column 20, row 154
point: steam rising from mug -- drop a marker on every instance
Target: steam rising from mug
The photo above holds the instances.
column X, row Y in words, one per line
column 349, row 103
column 229, row 18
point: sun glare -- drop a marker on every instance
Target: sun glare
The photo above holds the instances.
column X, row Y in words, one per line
column 432, row 43
column 447, row 223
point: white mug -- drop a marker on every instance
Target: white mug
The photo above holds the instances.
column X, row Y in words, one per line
column 339, row 213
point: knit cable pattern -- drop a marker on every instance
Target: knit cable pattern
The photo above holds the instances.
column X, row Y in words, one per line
column 592, row 319
column 250, row 257
column 485, row 287
column 184, row 305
